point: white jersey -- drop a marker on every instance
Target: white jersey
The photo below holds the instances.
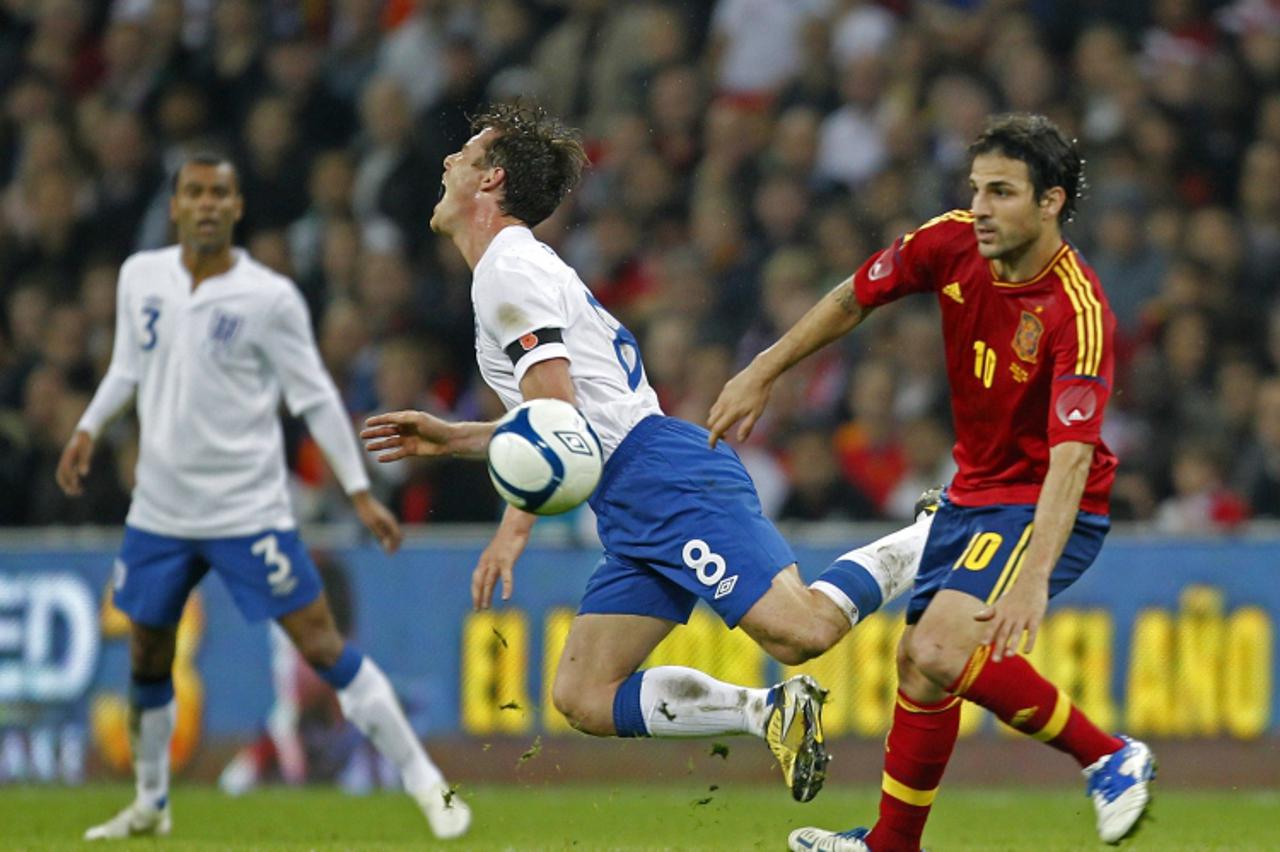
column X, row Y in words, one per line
column 210, row 366
column 522, row 289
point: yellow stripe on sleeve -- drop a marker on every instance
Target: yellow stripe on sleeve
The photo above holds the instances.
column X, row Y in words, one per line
column 1057, row 721
column 1095, row 310
column 910, row 795
column 1088, row 316
column 1082, row 335
column 950, row 216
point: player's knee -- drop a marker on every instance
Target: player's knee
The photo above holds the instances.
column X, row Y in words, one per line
column 321, row 649
column 934, row 657
column 581, row 708
column 798, row 636
column 151, row 651
column 802, row 645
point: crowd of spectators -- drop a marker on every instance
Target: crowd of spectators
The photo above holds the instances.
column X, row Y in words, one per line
column 746, row 156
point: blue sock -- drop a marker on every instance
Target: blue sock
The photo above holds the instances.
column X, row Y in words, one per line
column 150, row 693
column 341, row 673
column 628, row 717
column 857, row 584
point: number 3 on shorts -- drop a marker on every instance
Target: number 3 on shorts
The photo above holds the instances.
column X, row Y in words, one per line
column 280, row 578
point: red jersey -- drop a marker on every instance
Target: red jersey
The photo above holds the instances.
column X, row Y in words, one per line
column 1030, row 363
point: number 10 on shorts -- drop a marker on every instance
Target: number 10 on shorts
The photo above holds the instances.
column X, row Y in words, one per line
column 708, row 566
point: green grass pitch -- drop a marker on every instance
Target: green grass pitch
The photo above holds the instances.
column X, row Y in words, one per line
column 683, row 816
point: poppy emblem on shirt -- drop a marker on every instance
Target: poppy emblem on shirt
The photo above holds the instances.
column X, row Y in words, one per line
column 1076, row 405
column 1026, row 340
column 529, row 341
column 882, row 267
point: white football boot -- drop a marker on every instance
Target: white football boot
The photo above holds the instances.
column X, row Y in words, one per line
column 1119, row 784
column 812, row 839
column 134, row 821
column 444, row 809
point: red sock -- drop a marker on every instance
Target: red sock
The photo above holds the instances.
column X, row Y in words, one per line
column 915, row 756
column 1021, row 698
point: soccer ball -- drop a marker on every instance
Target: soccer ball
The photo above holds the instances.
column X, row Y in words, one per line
column 544, row 457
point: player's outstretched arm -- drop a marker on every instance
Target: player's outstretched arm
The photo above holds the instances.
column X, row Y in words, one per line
column 73, row 464
column 401, row 434
column 498, row 560
column 745, row 395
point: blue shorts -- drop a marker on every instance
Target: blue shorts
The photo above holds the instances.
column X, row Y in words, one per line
column 978, row 550
column 269, row 574
column 679, row 522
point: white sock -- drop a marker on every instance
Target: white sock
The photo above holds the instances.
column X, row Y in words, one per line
column 892, row 561
column 839, row 598
column 683, row 702
column 150, row 730
column 371, row 705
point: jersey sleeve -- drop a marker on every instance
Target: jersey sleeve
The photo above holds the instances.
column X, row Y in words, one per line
column 522, row 311
column 121, row 380
column 290, row 348
column 1083, row 360
column 911, row 264
column 125, row 350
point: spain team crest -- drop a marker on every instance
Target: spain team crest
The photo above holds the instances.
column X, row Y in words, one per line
column 1026, row 340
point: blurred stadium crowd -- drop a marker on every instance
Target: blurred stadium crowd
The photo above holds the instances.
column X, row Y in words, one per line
column 747, row 155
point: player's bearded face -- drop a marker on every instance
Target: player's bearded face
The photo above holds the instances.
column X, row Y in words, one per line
column 1009, row 217
column 206, row 206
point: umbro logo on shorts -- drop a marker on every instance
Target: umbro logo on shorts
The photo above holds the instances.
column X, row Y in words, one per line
column 726, row 586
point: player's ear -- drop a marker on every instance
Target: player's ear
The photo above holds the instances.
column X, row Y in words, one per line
column 495, row 177
column 1051, row 202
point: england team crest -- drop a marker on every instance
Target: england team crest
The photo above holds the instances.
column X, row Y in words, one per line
column 224, row 326
column 1026, row 340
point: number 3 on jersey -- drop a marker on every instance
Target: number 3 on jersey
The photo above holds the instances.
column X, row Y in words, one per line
column 625, row 345
column 152, row 313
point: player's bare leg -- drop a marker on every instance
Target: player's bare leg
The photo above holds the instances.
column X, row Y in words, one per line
column 600, row 653
column 793, row 622
column 944, row 657
column 368, row 700
column 1118, row 770
column 152, row 715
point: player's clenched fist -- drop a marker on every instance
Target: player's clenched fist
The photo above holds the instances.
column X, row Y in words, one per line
column 742, row 398
column 73, row 465
column 400, row 434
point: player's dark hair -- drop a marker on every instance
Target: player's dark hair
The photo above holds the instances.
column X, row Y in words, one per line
column 542, row 156
column 204, row 158
column 1052, row 159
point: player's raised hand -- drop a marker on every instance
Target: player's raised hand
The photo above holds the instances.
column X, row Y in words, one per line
column 400, row 434
column 743, row 398
column 378, row 520
column 73, row 464
column 498, row 560
column 1018, row 613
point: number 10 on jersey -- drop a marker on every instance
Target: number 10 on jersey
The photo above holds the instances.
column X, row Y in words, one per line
column 984, row 362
